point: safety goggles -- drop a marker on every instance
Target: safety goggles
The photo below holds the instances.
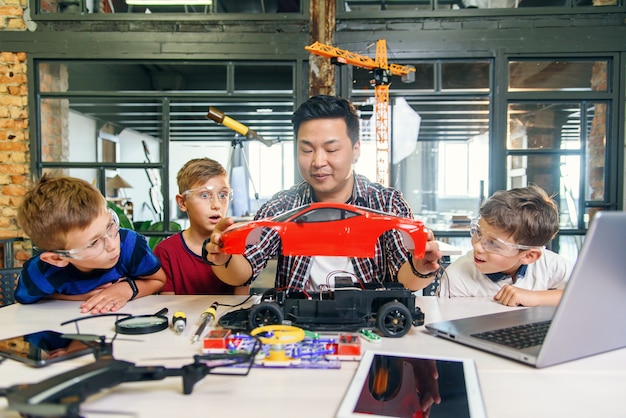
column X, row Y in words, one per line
column 495, row 245
column 206, row 194
column 95, row 247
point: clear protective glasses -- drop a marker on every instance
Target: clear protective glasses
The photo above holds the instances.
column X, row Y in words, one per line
column 97, row 246
column 495, row 245
column 206, row 194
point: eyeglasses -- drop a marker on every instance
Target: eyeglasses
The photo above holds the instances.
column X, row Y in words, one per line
column 495, row 245
column 206, row 194
column 95, row 247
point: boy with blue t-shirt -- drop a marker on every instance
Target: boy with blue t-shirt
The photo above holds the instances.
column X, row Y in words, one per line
column 84, row 254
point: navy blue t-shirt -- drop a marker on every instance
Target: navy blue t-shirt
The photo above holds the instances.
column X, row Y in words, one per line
column 40, row 279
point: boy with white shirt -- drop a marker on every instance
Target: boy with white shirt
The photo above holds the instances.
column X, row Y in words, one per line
column 509, row 261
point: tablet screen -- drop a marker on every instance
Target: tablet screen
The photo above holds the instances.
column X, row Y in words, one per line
column 41, row 348
column 401, row 385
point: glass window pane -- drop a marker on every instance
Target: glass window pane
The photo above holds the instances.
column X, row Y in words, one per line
column 447, row 173
column 564, row 3
column 269, row 117
column 558, row 75
column 597, row 119
column 117, row 132
column 569, row 194
column 187, row 76
column 52, row 77
column 379, row 5
column 422, row 79
column 171, row 7
column 87, row 174
column 459, row 119
column 412, row 5
column 266, row 176
column 544, row 126
column 557, row 175
column 254, row 6
column 542, row 170
column 490, row 4
column 264, row 78
column 439, row 146
column 55, row 76
column 465, row 76
column 570, row 245
column 54, row 117
column 73, row 129
column 130, row 189
column 143, row 200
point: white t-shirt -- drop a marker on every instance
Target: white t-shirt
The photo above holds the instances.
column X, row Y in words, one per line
column 462, row 278
column 324, row 269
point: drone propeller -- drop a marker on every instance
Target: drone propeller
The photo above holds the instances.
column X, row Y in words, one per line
column 108, row 412
column 84, row 337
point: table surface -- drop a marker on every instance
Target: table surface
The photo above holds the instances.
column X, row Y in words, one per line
column 588, row 387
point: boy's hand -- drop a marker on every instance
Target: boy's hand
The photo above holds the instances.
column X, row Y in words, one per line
column 514, row 296
column 213, row 248
column 109, row 298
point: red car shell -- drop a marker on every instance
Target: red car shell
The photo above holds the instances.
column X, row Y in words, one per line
column 328, row 229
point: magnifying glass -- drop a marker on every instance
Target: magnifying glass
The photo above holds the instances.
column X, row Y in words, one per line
column 142, row 324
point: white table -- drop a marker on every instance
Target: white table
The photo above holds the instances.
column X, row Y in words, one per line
column 592, row 387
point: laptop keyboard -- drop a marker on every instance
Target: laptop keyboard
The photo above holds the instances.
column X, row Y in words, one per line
column 521, row 336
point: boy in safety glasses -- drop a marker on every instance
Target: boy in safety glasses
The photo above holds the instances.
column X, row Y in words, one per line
column 509, row 261
column 84, row 254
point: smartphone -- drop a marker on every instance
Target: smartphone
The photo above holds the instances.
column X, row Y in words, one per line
column 42, row 348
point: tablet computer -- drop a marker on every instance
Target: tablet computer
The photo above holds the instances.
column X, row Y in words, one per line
column 41, row 348
column 388, row 384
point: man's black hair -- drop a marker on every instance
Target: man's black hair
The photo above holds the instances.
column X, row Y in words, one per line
column 328, row 107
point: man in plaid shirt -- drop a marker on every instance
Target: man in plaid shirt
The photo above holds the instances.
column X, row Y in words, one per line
column 327, row 135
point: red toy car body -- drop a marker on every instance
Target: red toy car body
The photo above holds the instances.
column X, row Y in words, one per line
column 328, row 229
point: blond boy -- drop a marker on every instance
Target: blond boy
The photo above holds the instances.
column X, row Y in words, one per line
column 84, row 254
column 204, row 194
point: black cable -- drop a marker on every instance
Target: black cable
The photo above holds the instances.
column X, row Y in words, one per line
column 239, row 304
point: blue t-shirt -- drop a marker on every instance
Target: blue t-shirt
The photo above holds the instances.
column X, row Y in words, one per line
column 40, row 279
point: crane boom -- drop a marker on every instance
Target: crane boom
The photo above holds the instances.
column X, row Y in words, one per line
column 358, row 60
column 381, row 92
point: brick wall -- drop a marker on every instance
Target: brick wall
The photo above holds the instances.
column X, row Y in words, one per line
column 12, row 14
column 14, row 143
column 14, row 139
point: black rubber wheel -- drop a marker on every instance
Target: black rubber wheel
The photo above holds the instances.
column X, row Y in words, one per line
column 265, row 313
column 393, row 319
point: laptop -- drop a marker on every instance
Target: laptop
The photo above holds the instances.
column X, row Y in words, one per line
column 589, row 319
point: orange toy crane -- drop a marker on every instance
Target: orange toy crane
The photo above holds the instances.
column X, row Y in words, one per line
column 382, row 71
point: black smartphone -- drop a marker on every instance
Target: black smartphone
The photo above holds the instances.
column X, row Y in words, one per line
column 42, row 348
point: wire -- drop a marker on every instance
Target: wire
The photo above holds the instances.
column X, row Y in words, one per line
column 238, row 304
column 352, row 275
column 440, row 276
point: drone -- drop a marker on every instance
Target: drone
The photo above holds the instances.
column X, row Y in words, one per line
column 62, row 395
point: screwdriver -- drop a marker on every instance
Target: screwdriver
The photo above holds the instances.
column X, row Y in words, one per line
column 206, row 318
column 179, row 322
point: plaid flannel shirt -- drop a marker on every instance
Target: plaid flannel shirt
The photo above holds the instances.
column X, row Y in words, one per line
column 292, row 271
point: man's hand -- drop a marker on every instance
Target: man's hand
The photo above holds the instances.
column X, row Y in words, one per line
column 213, row 248
column 426, row 383
column 417, row 273
column 430, row 262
